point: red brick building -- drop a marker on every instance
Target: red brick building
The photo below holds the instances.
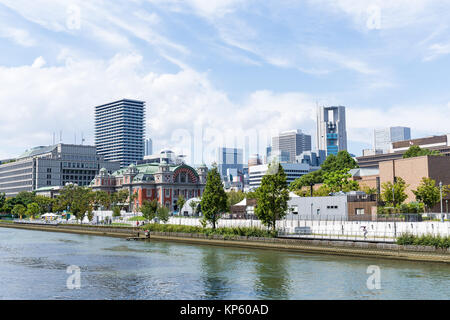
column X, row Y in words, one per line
column 163, row 182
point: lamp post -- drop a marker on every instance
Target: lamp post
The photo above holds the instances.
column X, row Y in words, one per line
column 442, row 211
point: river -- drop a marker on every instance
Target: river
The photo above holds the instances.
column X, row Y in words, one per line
column 33, row 265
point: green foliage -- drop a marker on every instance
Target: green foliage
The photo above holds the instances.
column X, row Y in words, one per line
column 148, row 209
column 180, row 203
column 341, row 161
column 424, row 240
column 214, row 199
column 19, row 209
column 163, row 214
column 137, row 218
column 32, row 210
column 234, row 197
column 79, row 200
column 45, row 204
column 412, row 207
column 416, row 151
column 369, row 190
column 25, row 198
column 103, row 198
column 116, row 211
column 398, row 196
column 272, row 196
column 226, row 232
column 307, row 180
column 429, row 193
column 2, row 200
column 194, row 206
column 340, row 181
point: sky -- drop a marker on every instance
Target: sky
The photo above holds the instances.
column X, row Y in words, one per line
column 222, row 72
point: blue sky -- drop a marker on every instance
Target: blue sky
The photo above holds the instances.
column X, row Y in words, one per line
column 222, row 72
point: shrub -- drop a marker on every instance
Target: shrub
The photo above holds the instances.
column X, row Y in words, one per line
column 424, row 240
column 226, row 232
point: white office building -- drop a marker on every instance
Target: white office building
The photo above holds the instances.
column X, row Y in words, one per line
column 292, row 171
column 294, row 142
column 383, row 138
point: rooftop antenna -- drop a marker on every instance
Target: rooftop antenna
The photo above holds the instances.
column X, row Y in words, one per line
column 75, row 135
column 53, row 137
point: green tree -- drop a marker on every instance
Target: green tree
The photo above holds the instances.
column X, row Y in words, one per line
column 25, row 198
column 180, row 204
column 33, row 210
column 416, row 151
column 340, row 181
column 116, row 211
column 214, row 199
column 394, row 193
column 163, row 214
column 429, row 193
column 148, row 209
column 2, row 200
column 78, row 200
column 343, row 160
column 103, row 199
column 272, row 196
column 234, row 197
column 193, row 204
column 322, row 191
column 45, row 204
column 19, row 209
column 121, row 198
column 307, row 180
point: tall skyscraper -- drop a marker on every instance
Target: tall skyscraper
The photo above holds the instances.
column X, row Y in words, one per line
column 383, row 138
column 295, row 142
column 120, row 131
column 148, row 147
column 229, row 158
column 331, row 129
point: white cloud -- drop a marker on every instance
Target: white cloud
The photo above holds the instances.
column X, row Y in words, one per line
column 38, row 62
column 19, row 36
column 62, row 98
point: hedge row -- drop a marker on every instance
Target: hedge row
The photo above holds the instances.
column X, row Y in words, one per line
column 227, row 232
column 425, row 240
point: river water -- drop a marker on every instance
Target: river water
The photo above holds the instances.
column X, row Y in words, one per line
column 33, row 265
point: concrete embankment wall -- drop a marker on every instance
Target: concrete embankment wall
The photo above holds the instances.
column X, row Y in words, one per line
column 78, row 229
column 343, row 248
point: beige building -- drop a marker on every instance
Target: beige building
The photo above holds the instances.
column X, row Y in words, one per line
column 412, row 170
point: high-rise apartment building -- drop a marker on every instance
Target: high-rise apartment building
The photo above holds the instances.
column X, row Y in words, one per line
column 331, row 129
column 295, row 142
column 120, row 131
column 383, row 138
column 229, row 158
column 148, row 147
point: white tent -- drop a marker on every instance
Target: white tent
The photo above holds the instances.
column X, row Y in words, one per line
column 49, row 215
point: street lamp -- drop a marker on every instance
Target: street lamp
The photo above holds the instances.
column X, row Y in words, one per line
column 442, row 211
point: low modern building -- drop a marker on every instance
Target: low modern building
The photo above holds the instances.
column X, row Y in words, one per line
column 54, row 165
column 349, row 206
column 412, row 170
column 313, row 158
column 163, row 182
column 292, row 170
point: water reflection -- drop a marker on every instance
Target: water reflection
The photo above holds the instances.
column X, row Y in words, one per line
column 272, row 277
column 212, row 266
